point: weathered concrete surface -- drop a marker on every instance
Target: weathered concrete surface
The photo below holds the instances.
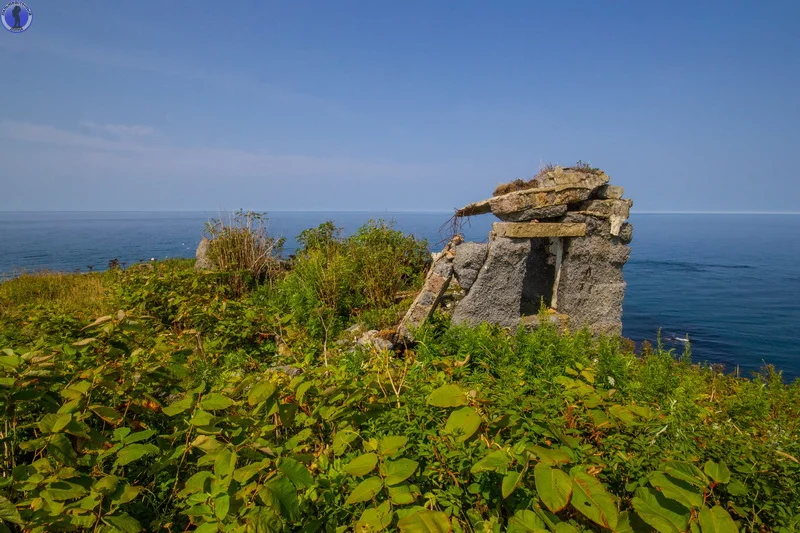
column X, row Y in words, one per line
column 527, row 230
column 609, row 192
column 436, row 283
column 576, row 188
column 468, row 261
column 591, row 287
column 496, row 295
column 203, row 262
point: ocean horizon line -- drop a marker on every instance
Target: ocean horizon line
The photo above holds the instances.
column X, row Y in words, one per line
column 373, row 211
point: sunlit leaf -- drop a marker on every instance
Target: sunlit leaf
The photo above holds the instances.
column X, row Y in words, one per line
column 716, row 520
column 592, row 499
column 553, row 486
column 425, row 521
column 362, row 465
column 463, row 423
column 365, row 490
column 447, row 396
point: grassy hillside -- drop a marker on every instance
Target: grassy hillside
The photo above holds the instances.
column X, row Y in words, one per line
column 160, row 398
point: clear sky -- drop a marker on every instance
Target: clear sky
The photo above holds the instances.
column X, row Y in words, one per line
column 379, row 105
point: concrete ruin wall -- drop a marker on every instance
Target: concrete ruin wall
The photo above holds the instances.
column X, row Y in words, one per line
column 563, row 239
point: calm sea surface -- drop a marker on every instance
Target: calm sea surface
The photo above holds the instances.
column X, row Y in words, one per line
column 729, row 282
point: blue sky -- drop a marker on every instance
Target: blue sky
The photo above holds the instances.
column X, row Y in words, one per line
column 344, row 105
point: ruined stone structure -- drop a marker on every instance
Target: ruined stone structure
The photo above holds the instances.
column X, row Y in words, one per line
column 562, row 240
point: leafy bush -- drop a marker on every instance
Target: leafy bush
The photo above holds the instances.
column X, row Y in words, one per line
column 173, row 414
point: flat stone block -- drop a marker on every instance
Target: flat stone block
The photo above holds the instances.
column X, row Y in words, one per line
column 528, row 230
column 610, row 192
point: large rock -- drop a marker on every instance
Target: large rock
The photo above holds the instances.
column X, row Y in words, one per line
column 574, row 187
column 591, row 287
column 554, row 177
column 529, row 230
column 496, row 295
column 609, row 192
column 468, row 261
column 436, row 283
column 534, row 213
column 203, row 262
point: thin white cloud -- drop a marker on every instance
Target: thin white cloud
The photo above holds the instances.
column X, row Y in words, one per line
column 145, row 156
column 119, row 130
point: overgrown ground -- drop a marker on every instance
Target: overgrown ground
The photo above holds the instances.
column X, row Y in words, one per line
column 146, row 398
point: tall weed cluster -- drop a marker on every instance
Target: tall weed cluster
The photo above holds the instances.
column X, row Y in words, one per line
column 242, row 247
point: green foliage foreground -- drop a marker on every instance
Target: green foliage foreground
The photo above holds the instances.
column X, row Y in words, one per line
column 169, row 416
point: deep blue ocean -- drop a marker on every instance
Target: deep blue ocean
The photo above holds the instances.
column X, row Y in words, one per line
column 729, row 282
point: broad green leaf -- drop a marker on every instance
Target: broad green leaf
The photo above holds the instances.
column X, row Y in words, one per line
column 402, row 494
column 677, row 489
column 296, row 472
column 123, row 522
column 139, row 436
column 197, row 482
column 222, row 504
column 107, row 413
column 496, row 461
column 362, row 465
column 261, row 391
column 553, row 486
column 592, row 499
column 510, row 481
column 685, row 472
column 61, row 448
column 201, row 418
column 716, row 520
column 391, row 444
column 398, row 471
column 61, row 422
column 208, row 527
column 214, row 401
column 425, row 521
column 125, row 493
column 342, row 439
column 375, row 519
column 365, row 490
column 717, row 471
column 244, row 473
column 224, row 463
column 133, row 452
column 463, row 423
column 526, row 521
column 736, row 488
column 106, row 484
column 550, row 456
column 63, row 490
column 447, row 396
column 661, row 513
column 8, row 511
column 565, row 527
column 280, row 494
column 179, row 406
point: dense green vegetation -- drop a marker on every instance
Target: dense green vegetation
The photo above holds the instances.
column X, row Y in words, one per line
column 157, row 398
